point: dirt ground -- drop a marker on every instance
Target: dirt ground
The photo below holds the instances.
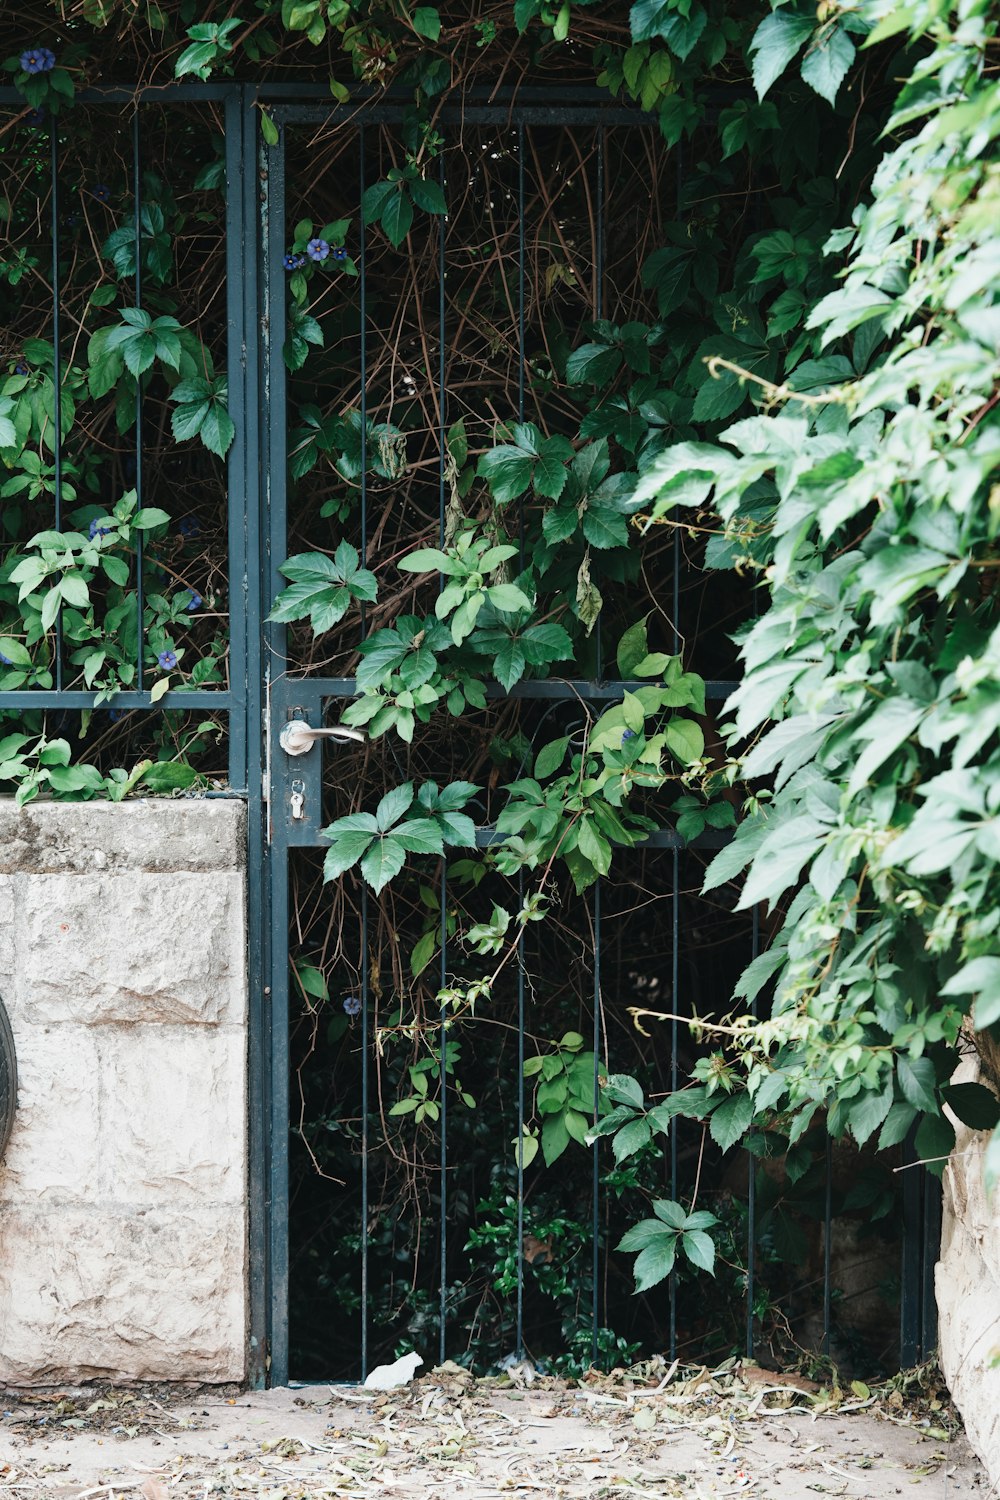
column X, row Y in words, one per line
column 662, row 1432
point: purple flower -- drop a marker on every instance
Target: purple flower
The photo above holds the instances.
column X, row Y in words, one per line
column 294, row 262
column 195, row 602
column 38, row 60
column 167, row 659
column 188, row 526
column 627, row 734
column 21, row 368
column 95, row 529
column 352, row 1005
column 339, row 252
column 101, row 192
column 317, row 249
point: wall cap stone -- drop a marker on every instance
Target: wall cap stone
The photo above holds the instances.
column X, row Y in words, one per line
column 160, row 835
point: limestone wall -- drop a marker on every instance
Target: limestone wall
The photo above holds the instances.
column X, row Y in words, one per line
column 968, row 1289
column 123, row 1189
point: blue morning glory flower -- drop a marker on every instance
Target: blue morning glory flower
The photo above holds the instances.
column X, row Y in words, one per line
column 101, row 192
column 339, row 253
column 352, row 1005
column 294, row 262
column 627, row 734
column 188, row 526
column 95, row 529
column 195, row 602
column 21, row 368
column 38, row 60
column 167, row 659
column 5, row 660
column 317, row 249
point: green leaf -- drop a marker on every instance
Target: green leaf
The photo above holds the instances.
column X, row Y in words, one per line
column 632, row 649
column 555, row 1138
column 508, row 597
column 428, row 195
column 775, row 42
column 918, row 1082
column 699, row 1248
column 934, row 1141
column 397, row 216
column 382, row 862
column 268, row 129
column 897, row 1125
column 550, row 758
column 427, row 22
column 828, row 61
column 981, row 978
column 217, row 429
column 631, row 1138
column 974, row 1104
column 393, row 805
column 685, row 739
column 731, row 1120
column 655, row 1263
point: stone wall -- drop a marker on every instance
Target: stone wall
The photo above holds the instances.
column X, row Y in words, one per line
column 123, row 1246
column 968, row 1288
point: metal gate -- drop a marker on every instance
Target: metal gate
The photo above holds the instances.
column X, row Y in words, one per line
column 275, row 684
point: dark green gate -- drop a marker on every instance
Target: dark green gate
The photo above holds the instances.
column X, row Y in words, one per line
column 298, row 770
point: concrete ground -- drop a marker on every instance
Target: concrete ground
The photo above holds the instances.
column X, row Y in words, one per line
column 693, row 1434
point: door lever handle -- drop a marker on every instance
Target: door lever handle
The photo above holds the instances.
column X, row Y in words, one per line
column 297, row 737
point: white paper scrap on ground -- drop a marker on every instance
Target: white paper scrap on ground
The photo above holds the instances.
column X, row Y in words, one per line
column 388, row 1377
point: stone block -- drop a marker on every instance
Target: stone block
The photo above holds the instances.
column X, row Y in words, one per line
column 132, row 948
column 52, row 1155
column 967, row 1281
column 153, row 1295
column 155, row 834
column 173, row 1115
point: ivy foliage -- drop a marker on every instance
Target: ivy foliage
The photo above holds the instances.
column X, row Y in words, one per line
column 869, row 707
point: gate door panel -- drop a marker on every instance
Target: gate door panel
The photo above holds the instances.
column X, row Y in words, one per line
column 430, row 1185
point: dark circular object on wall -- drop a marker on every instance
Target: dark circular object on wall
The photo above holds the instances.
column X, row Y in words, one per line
column 8, row 1079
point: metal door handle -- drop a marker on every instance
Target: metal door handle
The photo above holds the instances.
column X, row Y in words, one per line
column 297, row 737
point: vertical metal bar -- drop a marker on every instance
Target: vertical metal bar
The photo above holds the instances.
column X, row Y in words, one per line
column 241, row 372
column 520, row 332
column 140, row 599
column 931, row 1246
column 365, row 980
column 599, row 313
column 365, row 1108
column 443, row 1067
column 519, row 1345
column 595, row 1148
column 752, row 1179
column 827, row 1235
column 279, row 1112
column 909, row 1306
column 246, row 567
column 442, row 442
column 275, row 547
column 521, row 232
column 363, row 353
column 56, row 375
column 442, row 428
column 674, row 1072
